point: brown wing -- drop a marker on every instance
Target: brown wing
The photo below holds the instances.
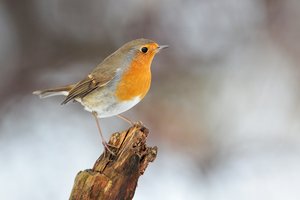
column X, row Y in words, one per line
column 100, row 76
column 89, row 84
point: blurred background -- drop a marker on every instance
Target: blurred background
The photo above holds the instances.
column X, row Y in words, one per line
column 223, row 107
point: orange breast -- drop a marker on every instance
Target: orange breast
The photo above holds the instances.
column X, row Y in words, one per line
column 136, row 79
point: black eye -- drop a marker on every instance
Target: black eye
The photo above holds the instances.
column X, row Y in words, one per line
column 144, row 49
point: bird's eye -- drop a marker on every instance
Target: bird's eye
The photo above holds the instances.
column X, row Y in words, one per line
column 144, row 49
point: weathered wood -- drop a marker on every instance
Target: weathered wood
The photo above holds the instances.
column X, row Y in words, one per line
column 115, row 177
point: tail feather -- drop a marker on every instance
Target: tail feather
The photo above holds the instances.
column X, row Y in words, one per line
column 54, row 91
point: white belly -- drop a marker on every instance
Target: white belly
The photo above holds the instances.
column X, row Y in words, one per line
column 111, row 107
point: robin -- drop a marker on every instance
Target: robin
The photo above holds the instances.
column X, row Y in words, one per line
column 117, row 84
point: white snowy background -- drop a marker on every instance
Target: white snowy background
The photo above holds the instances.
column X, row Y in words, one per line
column 223, row 108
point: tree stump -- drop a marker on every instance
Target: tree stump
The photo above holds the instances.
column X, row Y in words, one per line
column 115, row 176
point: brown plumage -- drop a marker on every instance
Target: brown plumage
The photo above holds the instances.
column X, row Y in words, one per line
column 115, row 85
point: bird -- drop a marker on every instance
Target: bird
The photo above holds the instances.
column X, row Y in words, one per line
column 115, row 85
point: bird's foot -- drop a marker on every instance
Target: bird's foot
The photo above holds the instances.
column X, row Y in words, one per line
column 108, row 148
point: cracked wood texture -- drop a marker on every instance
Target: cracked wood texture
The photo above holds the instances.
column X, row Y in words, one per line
column 115, row 177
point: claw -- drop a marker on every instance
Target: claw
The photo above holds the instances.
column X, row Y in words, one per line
column 107, row 148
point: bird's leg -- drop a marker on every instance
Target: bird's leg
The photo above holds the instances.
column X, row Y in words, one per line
column 125, row 119
column 105, row 144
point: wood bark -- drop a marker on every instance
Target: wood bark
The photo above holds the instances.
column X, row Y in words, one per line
column 115, row 176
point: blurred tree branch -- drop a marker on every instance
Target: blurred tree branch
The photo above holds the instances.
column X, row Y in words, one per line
column 116, row 176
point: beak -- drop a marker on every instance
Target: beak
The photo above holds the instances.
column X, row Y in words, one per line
column 162, row 47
